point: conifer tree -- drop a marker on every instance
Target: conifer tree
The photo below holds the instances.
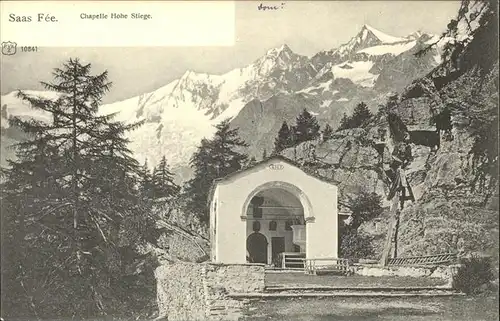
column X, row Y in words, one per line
column 284, row 139
column 306, row 127
column 213, row 159
column 327, row 132
column 71, row 189
column 145, row 182
column 360, row 115
column 164, row 186
column 344, row 122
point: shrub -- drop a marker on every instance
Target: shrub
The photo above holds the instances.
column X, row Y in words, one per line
column 354, row 245
column 474, row 275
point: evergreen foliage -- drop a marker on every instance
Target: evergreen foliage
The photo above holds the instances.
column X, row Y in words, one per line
column 164, row 187
column 360, row 117
column 213, row 159
column 365, row 207
column 68, row 202
column 284, row 139
column 344, row 122
column 474, row 275
column 327, row 132
column 306, row 127
column 353, row 244
column 145, row 182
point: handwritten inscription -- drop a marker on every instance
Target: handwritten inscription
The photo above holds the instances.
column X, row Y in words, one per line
column 276, row 167
column 274, row 7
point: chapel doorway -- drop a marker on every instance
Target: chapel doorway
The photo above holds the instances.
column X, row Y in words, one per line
column 257, row 245
column 279, row 215
column 277, row 247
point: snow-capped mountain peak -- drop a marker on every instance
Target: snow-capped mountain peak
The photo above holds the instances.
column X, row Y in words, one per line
column 281, row 57
column 178, row 115
column 384, row 38
column 284, row 49
column 414, row 35
column 369, row 41
column 367, row 37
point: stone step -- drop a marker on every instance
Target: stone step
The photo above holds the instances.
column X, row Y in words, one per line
column 285, row 271
column 342, row 294
column 322, row 288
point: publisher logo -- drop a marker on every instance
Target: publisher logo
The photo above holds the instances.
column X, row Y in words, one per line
column 9, row 48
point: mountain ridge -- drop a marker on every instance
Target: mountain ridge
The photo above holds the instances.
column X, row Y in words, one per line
column 178, row 115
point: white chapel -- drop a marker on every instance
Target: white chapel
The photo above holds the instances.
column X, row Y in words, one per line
column 269, row 209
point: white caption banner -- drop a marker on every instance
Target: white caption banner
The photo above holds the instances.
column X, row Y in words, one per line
column 118, row 23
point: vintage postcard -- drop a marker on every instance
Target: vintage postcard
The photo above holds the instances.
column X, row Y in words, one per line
column 249, row 160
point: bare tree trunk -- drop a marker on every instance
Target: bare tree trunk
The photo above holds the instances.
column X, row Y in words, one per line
column 75, row 155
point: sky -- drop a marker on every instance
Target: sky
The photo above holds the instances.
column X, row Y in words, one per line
column 305, row 26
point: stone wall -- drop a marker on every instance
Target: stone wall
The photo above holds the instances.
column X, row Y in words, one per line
column 442, row 272
column 190, row 291
column 180, row 292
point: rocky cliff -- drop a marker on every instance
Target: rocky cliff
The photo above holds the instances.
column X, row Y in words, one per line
column 449, row 214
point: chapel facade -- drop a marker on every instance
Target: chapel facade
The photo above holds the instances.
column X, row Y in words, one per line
column 272, row 208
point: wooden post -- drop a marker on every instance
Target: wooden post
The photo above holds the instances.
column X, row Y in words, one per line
column 395, row 238
column 390, row 232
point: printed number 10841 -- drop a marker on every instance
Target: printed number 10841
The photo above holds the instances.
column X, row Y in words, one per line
column 29, row 49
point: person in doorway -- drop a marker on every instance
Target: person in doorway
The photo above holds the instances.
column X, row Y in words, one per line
column 257, row 245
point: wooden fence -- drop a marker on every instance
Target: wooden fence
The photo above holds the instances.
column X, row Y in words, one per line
column 326, row 265
column 292, row 260
column 446, row 258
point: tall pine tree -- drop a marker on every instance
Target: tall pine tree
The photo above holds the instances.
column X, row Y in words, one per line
column 145, row 183
column 70, row 192
column 164, row 186
column 344, row 122
column 361, row 115
column 283, row 140
column 306, row 127
column 213, row 159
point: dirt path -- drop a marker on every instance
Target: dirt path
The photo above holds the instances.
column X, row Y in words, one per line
column 363, row 309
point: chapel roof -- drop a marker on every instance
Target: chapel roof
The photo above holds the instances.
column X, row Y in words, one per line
column 264, row 161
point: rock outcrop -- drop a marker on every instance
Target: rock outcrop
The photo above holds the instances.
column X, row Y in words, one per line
column 448, row 214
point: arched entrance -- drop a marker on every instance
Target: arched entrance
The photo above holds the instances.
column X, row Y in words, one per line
column 257, row 244
column 275, row 224
column 298, row 201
